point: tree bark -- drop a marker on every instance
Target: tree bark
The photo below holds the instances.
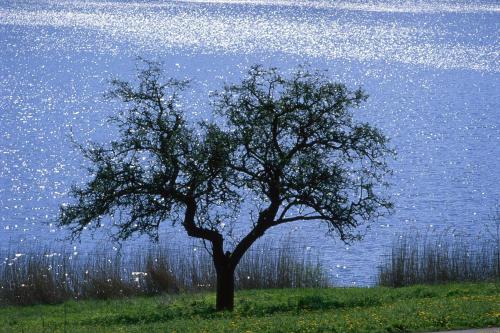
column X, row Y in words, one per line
column 225, row 288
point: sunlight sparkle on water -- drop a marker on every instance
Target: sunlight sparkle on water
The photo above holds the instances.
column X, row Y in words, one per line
column 431, row 69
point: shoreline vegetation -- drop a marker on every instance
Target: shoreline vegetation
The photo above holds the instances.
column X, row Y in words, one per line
column 46, row 276
column 420, row 259
column 442, row 284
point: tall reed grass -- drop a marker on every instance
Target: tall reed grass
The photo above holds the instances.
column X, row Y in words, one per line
column 45, row 276
column 424, row 259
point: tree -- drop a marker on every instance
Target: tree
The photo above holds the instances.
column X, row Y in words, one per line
column 284, row 149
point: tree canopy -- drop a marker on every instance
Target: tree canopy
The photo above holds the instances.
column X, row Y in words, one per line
column 284, row 148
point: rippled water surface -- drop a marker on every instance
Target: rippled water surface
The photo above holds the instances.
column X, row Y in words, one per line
column 432, row 70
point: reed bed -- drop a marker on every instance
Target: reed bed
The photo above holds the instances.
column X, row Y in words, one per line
column 45, row 276
column 422, row 259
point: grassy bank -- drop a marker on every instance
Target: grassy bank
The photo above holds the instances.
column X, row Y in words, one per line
column 379, row 309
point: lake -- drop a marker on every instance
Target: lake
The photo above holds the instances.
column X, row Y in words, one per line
column 431, row 68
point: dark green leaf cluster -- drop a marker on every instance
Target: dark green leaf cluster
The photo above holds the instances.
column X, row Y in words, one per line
column 288, row 149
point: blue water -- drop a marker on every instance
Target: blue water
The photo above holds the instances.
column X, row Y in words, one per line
column 431, row 68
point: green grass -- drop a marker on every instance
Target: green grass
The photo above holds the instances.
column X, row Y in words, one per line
column 379, row 309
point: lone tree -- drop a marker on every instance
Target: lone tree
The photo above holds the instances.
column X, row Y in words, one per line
column 284, row 149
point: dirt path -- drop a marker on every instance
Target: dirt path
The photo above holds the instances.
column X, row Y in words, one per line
column 480, row 330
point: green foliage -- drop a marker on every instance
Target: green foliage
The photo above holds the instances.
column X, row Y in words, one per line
column 285, row 149
column 409, row 309
column 288, row 142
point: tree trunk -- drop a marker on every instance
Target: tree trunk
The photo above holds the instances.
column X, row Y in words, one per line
column 225, row 288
